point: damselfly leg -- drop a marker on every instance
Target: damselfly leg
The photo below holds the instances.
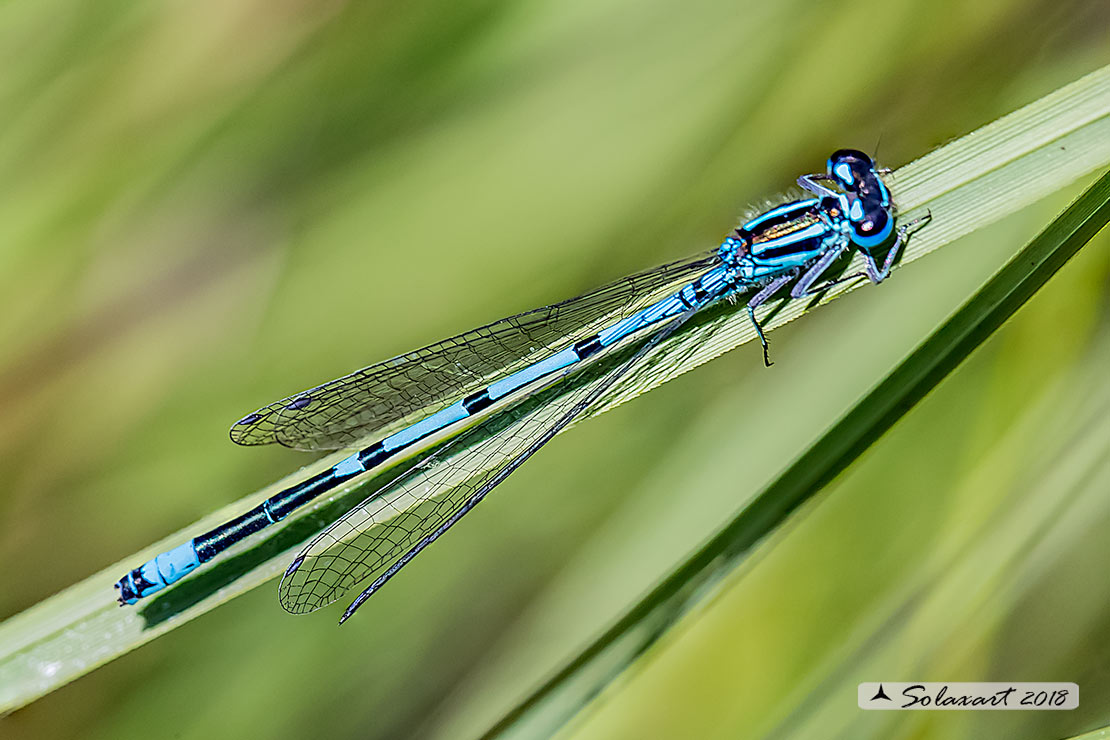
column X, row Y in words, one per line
column 758, row 300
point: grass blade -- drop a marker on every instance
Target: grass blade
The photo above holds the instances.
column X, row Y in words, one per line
column 553, row 703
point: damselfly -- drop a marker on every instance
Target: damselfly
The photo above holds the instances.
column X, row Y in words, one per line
column 534, row 373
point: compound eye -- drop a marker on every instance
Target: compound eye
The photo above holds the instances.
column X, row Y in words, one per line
column 849, row 167
column 873, row 228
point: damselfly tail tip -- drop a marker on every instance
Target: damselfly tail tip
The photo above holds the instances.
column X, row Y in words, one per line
column 349, row 612
column 125, row 593
column 362, row 597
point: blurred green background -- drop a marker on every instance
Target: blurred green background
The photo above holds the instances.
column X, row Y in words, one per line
column 211, row 205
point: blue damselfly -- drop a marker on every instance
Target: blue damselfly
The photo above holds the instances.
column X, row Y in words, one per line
column 512, row 368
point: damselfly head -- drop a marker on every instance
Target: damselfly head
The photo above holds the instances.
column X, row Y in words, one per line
column 869, row 208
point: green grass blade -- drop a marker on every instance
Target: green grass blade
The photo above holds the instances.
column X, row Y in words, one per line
column 967, row 184
column 1101, row 733
column 553, row 703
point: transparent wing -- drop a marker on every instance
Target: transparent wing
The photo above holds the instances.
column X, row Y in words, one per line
column 388, row 529
column 396, row 392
